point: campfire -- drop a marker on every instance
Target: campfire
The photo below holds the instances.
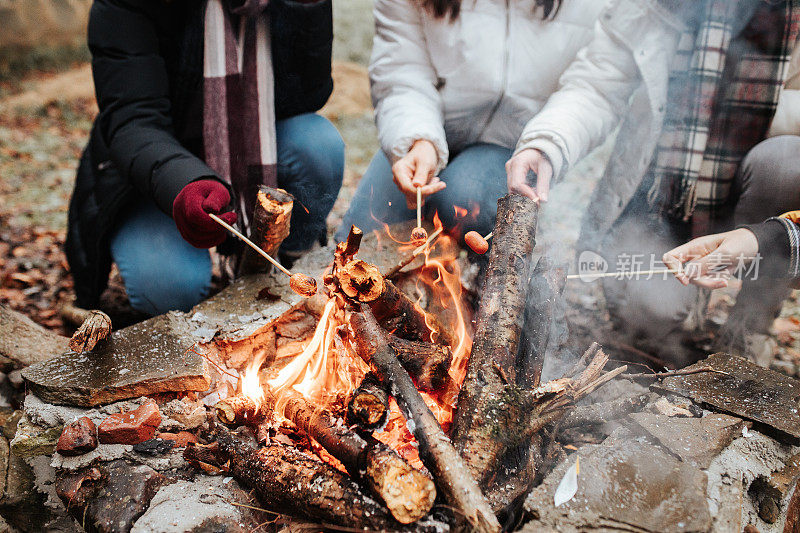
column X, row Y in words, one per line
column 352, row 423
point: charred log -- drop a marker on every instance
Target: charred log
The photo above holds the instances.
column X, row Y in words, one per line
column 362, row 282
column 288, row 481
column 272, row 216
column 437, row 453
column 407, row 492
column 368, row 407
column 426, row 362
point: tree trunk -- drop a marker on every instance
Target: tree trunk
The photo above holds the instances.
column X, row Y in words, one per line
column 23, row 342
column 407, row 492
column 272, row 217
column 437, row 453
column 487, row 406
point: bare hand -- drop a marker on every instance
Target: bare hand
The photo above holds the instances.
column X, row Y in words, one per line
column 416, row 169
column 517, row 168
column 712, row 257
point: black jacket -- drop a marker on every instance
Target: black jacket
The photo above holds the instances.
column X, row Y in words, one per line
column 147, row 61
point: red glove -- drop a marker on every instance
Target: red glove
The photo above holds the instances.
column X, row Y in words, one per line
column 190, row 212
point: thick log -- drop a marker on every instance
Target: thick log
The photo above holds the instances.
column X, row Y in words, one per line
column 459, row 488
column 23, row 342
column 239, row 410
column 363, row 282
column 290, row 482
column 96, row 327
column 368, row 407
column 487, row 406
column 407, row 492
column 271, row 223
column 541, row 305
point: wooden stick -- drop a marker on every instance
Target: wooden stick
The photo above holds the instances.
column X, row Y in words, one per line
column 684, row 372
column 270, row 226
column 436, row 451
column 621, row 274
column 250, row 243
column 419, row 207
column 413, row 255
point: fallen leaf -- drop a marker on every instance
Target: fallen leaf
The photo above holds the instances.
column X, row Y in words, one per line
column 569, row 485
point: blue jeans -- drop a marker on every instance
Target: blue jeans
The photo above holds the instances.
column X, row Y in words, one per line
column 162, row 272
column 475, row 177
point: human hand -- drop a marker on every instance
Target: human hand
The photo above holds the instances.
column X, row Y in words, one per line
column 190, row 212
column 416, row 169
column 712, row 257
column 517, row 168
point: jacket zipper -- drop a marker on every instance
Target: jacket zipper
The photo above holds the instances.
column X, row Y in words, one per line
column 504, row 82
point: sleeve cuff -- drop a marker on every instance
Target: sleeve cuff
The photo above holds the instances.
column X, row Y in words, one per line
column 551, row 147
column 779, row 247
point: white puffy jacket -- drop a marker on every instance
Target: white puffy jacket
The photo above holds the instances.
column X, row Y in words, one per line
column 480, row 78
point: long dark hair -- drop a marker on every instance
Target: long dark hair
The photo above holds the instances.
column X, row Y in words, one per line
column 451, row 8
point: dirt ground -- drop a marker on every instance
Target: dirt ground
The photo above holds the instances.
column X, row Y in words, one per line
column 45, row 119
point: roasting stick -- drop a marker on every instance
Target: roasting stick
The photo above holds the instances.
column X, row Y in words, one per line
column 621, row 274
column 300, row 283
column 413, row 255
column 418, row 234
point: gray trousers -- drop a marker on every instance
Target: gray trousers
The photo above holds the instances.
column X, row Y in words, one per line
column 767, row 184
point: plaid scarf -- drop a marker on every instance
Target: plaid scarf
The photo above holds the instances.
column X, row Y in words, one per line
column 238, row 94
column 723, row 92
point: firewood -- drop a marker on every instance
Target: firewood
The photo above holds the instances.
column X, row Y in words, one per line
column 288, row 481
column 490, row 384
column 95, row 328
column 544, row 289
column 407, row 492
column 362, row 282
column 368, row 407
column 455, row 482
column 271, row 223
column 239, row 410
column 426, row 362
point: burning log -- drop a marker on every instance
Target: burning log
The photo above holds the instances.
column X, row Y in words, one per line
column 289, row 481
column 95, row 328
column 426, row 362
column 394, row 311
column 437, row 453
column 272, row 217
column 368, row 407
column 239, row 410
column 407, row 492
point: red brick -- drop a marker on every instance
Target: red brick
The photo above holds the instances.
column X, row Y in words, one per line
column 78, row 437
column 131, row 427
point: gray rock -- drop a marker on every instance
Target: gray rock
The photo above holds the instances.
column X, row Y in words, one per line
column 625, row 484
column 147, row 358
column 103, row 453
column 194, row 506
column 743, row 389
column 695, row 440
column 115, row 499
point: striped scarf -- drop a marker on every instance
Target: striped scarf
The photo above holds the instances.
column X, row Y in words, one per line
column 238, row 99
column 723, row 92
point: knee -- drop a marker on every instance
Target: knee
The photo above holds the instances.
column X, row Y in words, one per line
column 171, row 288
column 310, row 146
column 773, row 164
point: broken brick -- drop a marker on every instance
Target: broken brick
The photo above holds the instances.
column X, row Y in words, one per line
column 181, row 439
column 131, row 427
column 78, row 437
